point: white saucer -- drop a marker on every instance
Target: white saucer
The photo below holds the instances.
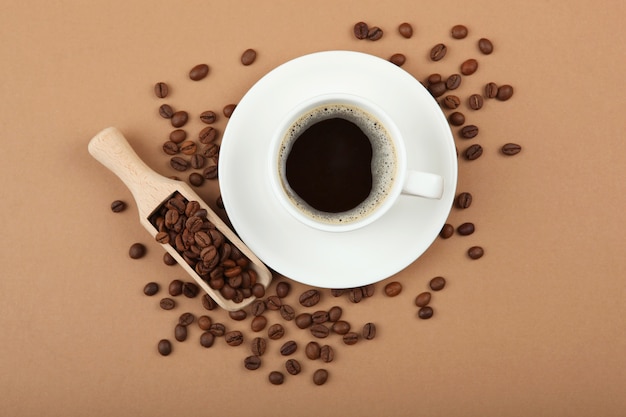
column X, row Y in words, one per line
column 326, row 259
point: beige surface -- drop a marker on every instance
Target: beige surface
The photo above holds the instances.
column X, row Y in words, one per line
column 536, row 327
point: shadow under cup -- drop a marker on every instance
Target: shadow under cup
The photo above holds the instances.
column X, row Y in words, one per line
column 336, row 161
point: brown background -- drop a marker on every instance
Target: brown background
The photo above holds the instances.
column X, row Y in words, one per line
column 536, row 327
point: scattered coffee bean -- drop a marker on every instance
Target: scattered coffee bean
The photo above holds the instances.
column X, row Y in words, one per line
column 217, row 329
column 180, row 333
column 137, row 250
column 334, row 313
column 199, row 72
column 288, row 348
column 276, row 378
column 475, row 101
column 309, row 298
column 258, row 290
column 319, row 330
column 312, row 350
column 190, row 290
column 275, row 331
column 179, row 118
column 463, row 200
column 282, row 289
column 210, row 173
column 369, row 331
column 511, row 149
column 252, row 362
column 350, row 338
column 320, row 377
column 151, row 289
column 446, row 231
column 469, row 131
column 473, row 152
column 273, row 303
column 475, row 252
column 188, row 147
column 437, row 283
column 178, row 135
column 422, row 299
column 196, row 179
column 228, row 110
column 204, row 322
column 207, row 135
column 392, row 289
column 438, row 52
column 170, row 148
column 374, row 33
column 459, row 31
column 433, row 79
column 327, row 354
column 258, row 346
column 465, row 229
column 304, row 320
column 397, row 59
column 505, row 92
column 437, row 89
column 167, row 303
column 355, row 295
column 208, row 117
column 234, row 338
column 425, row 312
column 118, row 206
column 257, row 307
column 456, row 118
column 179, row 164
column 186, row 319
column 238, row 315
column 164, row 347
column 453, row 82
column 175, row 288
column 406, row 30
column 166, row 111
column 168, row 259
column 337, row 292
column 341, row 327
column 293, row 367
column 361, row 30
column 451, row 102
column 287, row 312
column 161, row 90
column 469, row 66
column 207, row 339
column 197, row 161
column 485, row 46
column 491, row 90
column 258, row 323
column 220, row 204
column 208, row 303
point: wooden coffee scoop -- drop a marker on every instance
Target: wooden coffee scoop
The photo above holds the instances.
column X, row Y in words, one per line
column 151, row 190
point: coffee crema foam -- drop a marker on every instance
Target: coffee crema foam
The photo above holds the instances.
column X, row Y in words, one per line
column 383, row 164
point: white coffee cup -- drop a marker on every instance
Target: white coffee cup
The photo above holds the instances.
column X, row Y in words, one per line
column 389, row 173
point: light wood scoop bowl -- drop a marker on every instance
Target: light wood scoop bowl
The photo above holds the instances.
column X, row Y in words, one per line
column 151, row 190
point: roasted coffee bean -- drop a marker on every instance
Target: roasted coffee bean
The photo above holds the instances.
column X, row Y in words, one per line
column 361, row 30
column 456, row 118
column 170, row 148
column 166, row 111
column 463, row 200
column 469, row 131
column 118, row 206
column 228, row 110
column 469, row 66
column 234, row 338
column 288, row 348
column 276, row 378
column 175, row 288
column 217, row 329
column 425, row 312
column 273, row 303
column 178, row 135
column 287, row 312
column 485, row 46
column 220, row 204
column 437, row 283
column 368, row 290
column 473, row 152
column 320, row 317
column 491, row 90
column 258, row 290
column 248, row 56
column 433, row 79
column 337, row 292
column 320, row 377
column 465, row 229
column 282, row 289
column 313, row 350
column 505, row 92
column 406, row 30
column 475, row 101
column 257, row 307
column 293, row 367
column 319, row 330
column 451, row 102
column 446, row 231
column 350, row 338
column 258, row 323
column 137, row 250
column 393, row 289
column 252, row 362
column 208, row 117
column 475, row 252
column 210, row 151
column 275, row 331
column 458, row 32
column 258, row 346
column 167, row 303
column 151, row 289
column 397, row 59
column 304, row 320
column 238, row 315
column 204, row 322
column 190, row 290
column 355, row 295
column 179, row 164
column 168, row 259
column 198, row 72
column 180, row 333
column 422, row 299
column 309, row 298
column 197, row 161
column 374, row 33
column 511, row 149
column 453, row 82
column 179, row 118
column 437, row 89
column 341, row 327
column 196, row 179
column 207, row 135
column 161, row 90
column 207, row 339
column 369, row 331
column 208, row 303
column 327, row 354
column 188, row 147
column 438, row 52
column 164, row 347
column 334, row 313
column 186, row 319
column 210, row 172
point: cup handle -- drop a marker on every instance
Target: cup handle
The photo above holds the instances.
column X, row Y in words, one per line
column 423, row 184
